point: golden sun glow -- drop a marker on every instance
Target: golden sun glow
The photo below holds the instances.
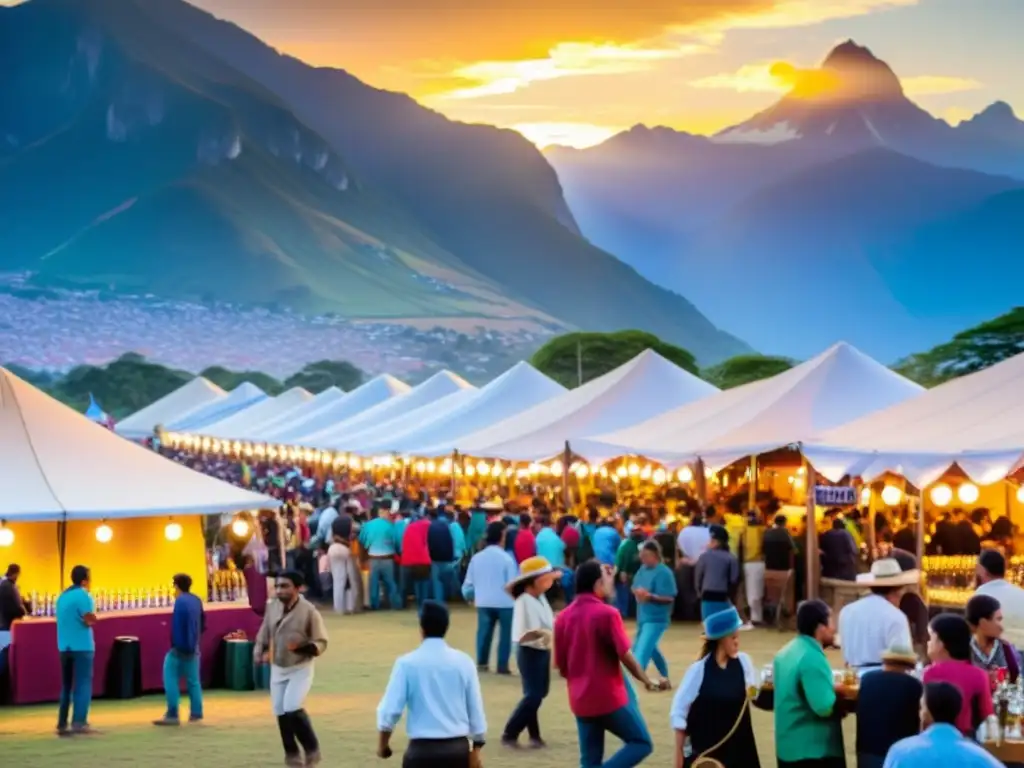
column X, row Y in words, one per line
column 576, row 135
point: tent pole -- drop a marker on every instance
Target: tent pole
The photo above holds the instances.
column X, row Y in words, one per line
column 920, row 533
column 566, row 491
column 62, row 547
column 811, row 539
column 702, row 483
column 752, row 492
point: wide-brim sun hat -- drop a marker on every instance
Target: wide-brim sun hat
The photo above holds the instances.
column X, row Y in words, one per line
column 529, row 568
column 722, row 624
column 900, row 654
column 493, row 505
column 886, row 572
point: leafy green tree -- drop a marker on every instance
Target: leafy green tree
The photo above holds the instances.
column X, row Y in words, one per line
column 228, row 379
column 969, row 351
column 744, row 369
column 121, row 387
column 324, row 374
column 598, row 353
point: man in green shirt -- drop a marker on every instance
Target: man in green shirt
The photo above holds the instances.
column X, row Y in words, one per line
column 808, row 729
column 627, row 563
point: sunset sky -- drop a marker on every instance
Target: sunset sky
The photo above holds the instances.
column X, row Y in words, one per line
column 576, row 71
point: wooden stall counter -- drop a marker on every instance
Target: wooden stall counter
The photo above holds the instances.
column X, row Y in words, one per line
column 35, row 661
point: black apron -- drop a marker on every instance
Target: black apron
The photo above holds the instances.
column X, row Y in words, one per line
column 714, row 712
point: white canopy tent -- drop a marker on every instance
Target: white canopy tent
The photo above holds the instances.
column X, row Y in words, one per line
column 833, row 388
column 976, row 422
column 287, row 419
column 434, row 430
column 238, row 399
column 641, row 389
column 336, row 436
column 61, row 466
column 245, row 425
column 364, row 397
column 178, row 404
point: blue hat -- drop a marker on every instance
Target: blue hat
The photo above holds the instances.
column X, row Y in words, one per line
column 722, row 624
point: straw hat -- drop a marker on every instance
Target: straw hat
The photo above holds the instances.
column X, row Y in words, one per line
column 493, row 505
column 887, row 573
column 901, row 654
column 529, row 568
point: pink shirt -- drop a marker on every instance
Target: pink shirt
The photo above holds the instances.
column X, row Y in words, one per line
column 589, row 641
column 974, row 687
column 414, row 544
column 526, row 545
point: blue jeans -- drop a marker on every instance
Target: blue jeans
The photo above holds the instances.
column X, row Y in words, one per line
column 444, row 578
column 535, row 669
column 711, row 607
column 178, row 667
column 626, row 723
column 645, row 646
column 76, row 687
column 383, row 569
column 623, row 598
column 568, row 584
column 486, row 620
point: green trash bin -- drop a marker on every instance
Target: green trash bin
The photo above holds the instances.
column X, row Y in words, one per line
column 238, row 665
column 261, row 676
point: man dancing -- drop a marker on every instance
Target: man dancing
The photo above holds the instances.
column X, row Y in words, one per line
column 292, row 635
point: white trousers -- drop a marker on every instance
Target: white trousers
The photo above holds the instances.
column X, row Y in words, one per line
column 289, row 687
column 341, row 579
column 753, row 575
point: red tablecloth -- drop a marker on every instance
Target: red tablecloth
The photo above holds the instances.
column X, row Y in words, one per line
column 35, row 661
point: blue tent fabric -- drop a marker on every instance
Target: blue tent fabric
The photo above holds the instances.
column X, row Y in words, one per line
column 94, row 412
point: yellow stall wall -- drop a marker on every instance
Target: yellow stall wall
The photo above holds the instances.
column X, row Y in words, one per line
column 35, row 550
column 138, row 557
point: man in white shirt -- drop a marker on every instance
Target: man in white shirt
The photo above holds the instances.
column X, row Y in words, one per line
column 875, row 623
column 991, row 575
column 439, row 687
column 693, row 540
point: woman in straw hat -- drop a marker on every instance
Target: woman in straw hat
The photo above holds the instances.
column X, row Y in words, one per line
column 711, row 709
column 888, row 706
column 533, row 625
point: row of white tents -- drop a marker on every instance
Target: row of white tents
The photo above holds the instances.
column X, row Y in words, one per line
column 848, row 413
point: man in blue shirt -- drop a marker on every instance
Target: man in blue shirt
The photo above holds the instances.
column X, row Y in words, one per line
column 377, row 538
column 76, row 615
column 182, row 662
column 441, row 691
column 490, row 570
column 655, row 588
column 551, row 547
column 606, row 542
column 940, row 744
column 442, row 554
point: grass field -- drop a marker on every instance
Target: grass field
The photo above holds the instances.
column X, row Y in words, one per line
column 240, row 731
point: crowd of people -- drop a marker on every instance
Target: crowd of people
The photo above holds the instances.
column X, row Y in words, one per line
column 649, row 560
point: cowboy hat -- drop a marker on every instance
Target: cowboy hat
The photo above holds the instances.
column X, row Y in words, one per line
column 901, row 654
column 492, row 505
column 531, row 567
column 886, row 572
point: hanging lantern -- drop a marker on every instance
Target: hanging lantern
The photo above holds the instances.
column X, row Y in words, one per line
column 941, row 495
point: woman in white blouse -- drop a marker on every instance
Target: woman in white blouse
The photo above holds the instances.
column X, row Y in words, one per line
column 533, row 625
column 711, row 709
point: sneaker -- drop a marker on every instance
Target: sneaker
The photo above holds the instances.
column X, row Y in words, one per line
column 538, row 744
column 507, row 672
column 313, row 758
column 167, row 721
column 294, row 761
column 195, row 718
column 63, row 730
column 509, row 743
column 84, row 730
column 481, row 668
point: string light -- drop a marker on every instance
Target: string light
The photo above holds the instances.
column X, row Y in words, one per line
column 104, row 533
column 6, row 535
column 556, row 468
column 891, row 495
column 240, row 527
column 172, row 531
column 941, row 495
column 968, row 493
column 660, row 476
column 685, row 475
column 865, row 495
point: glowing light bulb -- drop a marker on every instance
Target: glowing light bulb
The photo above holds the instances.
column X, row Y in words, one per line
column 891, row 495
column 621, row 471
column 582, row 471
column 240, row 528
column 482, row 468
column 634, row 469
column 685, row 475
column 172, row 531
column 1020, row 494
column 645, row 473
column 968, row 493
column 104, row 533
column 6, row 537
column 941, row 495
column 659, row 476
column 556, row 468
column 865, row 495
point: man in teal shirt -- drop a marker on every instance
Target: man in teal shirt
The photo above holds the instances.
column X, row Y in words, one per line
column 654, row 585
column 378, row 539
column 76, row 614
column 808, row 729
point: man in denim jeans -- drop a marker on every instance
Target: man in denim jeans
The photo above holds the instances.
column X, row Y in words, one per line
column 182, row 662
column 489, row 571
column 76, row 614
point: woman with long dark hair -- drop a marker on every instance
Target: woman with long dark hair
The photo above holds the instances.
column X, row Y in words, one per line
column 711, row 709
column 533, row 624
column 949, row 648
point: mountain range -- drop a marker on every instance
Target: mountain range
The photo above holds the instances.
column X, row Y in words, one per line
column 149, row 147
column 844, row 210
